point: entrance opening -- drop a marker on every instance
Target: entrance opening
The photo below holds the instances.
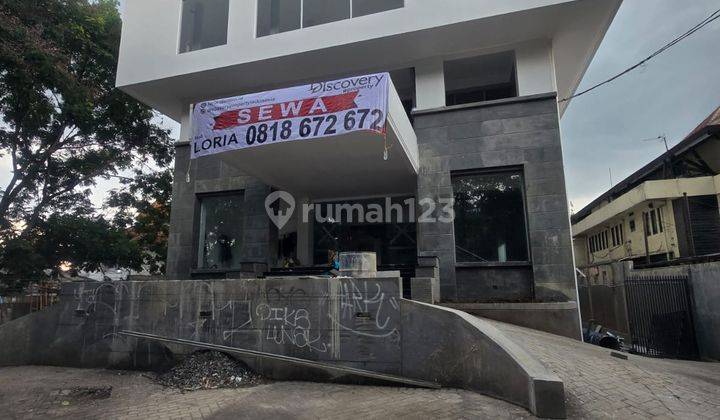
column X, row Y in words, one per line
column 357, row 227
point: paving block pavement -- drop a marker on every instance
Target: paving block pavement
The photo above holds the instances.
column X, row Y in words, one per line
column 598, row 385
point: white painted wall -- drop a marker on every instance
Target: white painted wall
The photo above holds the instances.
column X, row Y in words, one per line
column 535, row 68
column 429, row 84
column 151, row 33
column 577, row 40
column 421, row 35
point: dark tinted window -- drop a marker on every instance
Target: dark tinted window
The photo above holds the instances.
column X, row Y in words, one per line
column 368, row 7
column 479, row 79
column 204, row 24
column 275, row 16
column 317, row 12
column 490, row 217
column 221, row 231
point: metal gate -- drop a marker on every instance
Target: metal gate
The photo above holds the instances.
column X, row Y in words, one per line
column 660, row 316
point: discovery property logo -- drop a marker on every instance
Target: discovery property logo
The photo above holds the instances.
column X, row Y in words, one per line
column 280, row 207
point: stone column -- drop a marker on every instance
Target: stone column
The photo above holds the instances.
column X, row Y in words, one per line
column 304, row 233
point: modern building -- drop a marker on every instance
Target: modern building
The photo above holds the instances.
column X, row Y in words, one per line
column 473, row 115
column 666, row 210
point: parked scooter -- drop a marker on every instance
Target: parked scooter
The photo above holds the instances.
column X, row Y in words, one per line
column 594, row 334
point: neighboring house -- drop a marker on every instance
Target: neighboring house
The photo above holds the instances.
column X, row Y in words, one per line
column 473, row 111
column 664, row 211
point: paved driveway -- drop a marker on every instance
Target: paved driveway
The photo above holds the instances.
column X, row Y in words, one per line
column 597, row 386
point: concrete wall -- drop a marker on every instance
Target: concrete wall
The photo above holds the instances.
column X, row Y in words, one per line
column 360, row 323
column 705, row 280
column 522, row 132
column 560, row 318
column 207, row 176
column 602, row 296
column 353, row 321
column 460, row 350
column 13, row 310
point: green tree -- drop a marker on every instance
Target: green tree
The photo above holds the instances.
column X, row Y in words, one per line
column 64, row 123
column 88, row 243
column 142, row 209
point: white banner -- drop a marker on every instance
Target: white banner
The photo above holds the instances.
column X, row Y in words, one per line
column 298, row 113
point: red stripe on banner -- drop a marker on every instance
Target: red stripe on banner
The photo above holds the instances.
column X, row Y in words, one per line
column 290, row 109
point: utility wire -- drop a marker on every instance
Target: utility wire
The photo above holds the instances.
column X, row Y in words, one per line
column 714, row 16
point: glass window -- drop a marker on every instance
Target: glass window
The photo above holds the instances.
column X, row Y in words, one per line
column 490, row 217
column 479, row 79
column 368, row 7
column 615, row 236
column 204, row 24
column 317, row 12
column 221, row 230
column 275, row 16
column 653, row 215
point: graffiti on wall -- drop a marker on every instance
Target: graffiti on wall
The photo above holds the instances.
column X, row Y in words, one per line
column 290, row 326
column 316, row 321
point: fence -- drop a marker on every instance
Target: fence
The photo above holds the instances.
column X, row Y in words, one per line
column 659, row 309
column 37, row 298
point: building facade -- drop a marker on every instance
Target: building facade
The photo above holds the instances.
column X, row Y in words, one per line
column 473, row 120
column 667, row 210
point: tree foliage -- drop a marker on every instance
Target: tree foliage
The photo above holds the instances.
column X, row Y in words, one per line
column 85, row 243
column 65, row 123
column 142, row 208
column 64, row 126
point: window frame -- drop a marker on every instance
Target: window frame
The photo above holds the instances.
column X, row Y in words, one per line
column 179, row 46
column 523, row 190
column 301, row 17
column 197, row 230
column 513, row 83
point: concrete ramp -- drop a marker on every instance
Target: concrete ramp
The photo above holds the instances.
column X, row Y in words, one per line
column 357, row 323
column 459, row 350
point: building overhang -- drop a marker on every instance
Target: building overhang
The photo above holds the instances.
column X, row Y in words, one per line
column 348, row 165
column 155, row 74
column 668, row 189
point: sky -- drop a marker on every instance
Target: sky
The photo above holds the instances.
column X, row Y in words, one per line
column 603, row 131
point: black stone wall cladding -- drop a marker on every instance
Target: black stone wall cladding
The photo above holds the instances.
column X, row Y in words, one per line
column 508, row 133
column 208, row 175
column 521, row 132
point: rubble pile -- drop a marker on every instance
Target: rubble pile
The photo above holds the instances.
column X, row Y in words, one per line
column 209, row 370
